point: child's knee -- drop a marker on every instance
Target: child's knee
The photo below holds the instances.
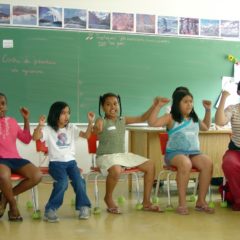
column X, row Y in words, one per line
column 37, row 177
column 5, row 176
column 184, row 166
column 150, row 166
column 150, row 163
column 211, row 165
column 147, row 166
column 82, row 182
column 115, row 172
column 62, row 184
column 208, row 164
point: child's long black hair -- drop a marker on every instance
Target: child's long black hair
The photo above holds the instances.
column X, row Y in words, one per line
column 175, row 109
column 103, row 98
column 54, row 114
column 181, row 88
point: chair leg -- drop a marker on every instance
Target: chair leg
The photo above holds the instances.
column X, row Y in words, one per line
column 169, row 206
column 209, row 194
column 224, row 193
column 34, row 192
column 37, row 212
column 211, row 204
column 96, row 191
column 224, row 202
column 158, row 184
column 93, row 161
column 193, row 197
column 97, row 209
column 195, row 187
column 137, row 187
column 155, row 198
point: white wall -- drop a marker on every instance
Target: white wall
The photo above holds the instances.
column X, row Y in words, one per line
column 213, row 9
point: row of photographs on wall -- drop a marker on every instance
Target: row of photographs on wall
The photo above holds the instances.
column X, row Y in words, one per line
column 81, row 19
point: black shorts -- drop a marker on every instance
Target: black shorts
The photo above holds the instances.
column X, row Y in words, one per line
column 14, row 163
column 232, row 146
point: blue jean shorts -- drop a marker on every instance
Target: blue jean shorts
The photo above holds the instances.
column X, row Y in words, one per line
column 14, row 163
column 169, row 156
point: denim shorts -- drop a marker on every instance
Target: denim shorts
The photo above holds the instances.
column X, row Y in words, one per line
column 14, row 163
column 169, row 156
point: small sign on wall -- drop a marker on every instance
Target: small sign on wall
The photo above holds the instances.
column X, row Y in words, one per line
column 7, row 43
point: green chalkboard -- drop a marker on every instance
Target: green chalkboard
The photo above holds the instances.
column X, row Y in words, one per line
column 50, row 65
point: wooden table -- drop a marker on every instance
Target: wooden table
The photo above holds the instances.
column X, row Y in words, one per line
column 144, row 141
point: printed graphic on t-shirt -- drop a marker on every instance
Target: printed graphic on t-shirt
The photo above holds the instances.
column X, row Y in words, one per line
column 62, row 140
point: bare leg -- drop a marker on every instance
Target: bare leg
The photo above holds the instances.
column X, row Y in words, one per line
column 112, row 179
column 149, row 171
column 32, row 176
column 6, row 187
column 205, row 166
column 183, row 165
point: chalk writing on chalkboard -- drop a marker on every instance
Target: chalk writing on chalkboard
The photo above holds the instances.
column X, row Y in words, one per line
column 24, row 65
column 106, row 40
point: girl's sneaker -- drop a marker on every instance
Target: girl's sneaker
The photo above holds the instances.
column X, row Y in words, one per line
column 84, row 212
column 50, row 216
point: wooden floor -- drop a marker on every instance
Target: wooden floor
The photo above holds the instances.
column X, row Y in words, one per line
column 132, row 224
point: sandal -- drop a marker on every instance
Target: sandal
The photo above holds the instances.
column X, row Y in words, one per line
column 153, row 208
column 182, row 210
column 14, row 216
column 204, row 208
column 3, row 204
column 114, row 210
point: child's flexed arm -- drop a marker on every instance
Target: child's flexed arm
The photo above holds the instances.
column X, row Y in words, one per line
column 145, row 116
column 153, row 119
column 220, row 118
column 88, row 132
column 25, row 136
column 25, row 114
column 37, row 134
column 206, row 123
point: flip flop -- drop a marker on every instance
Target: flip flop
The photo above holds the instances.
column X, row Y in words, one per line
column 14, row 218
column 153, row 208
column 3, row 205
column 114, row 210
column 204, row 208
column 182, row 210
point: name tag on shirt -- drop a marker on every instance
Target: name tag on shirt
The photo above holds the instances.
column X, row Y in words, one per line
column 111, row 128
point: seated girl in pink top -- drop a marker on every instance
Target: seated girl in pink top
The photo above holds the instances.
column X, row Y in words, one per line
column 11, row 161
